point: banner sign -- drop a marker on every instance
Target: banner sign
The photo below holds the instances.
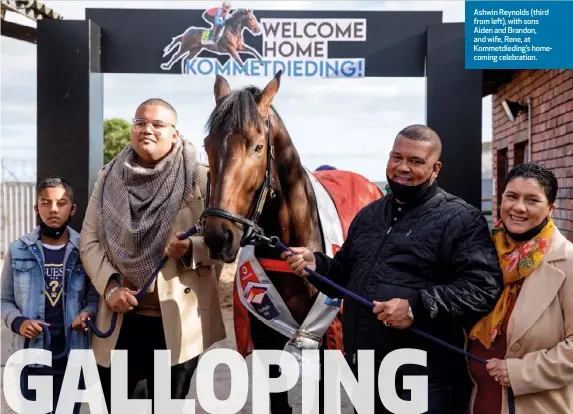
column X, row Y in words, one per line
column 298, row 47
column 247, row 42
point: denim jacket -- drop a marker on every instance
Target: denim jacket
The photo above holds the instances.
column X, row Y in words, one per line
column 23, row 288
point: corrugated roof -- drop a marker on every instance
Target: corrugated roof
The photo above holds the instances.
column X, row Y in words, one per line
column 34, row 10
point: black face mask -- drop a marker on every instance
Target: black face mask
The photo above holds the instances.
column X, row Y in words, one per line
column 53, row 232
column 528, row 235
column 408, row 193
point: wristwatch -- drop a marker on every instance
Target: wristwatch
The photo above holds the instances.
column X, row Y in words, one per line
column 410, row 314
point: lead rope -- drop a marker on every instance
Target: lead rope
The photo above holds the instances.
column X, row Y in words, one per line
column 274, row 241
column 91, row 324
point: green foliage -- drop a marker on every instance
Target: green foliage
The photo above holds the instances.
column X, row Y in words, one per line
column 116, row 135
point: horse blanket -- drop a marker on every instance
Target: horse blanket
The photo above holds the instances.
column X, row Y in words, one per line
column 349, row 193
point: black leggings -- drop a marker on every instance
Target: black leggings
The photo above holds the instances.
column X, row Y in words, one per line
column 140, row 336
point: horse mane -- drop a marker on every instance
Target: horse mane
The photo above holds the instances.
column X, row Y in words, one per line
column 237, row 113
column 240, row 12
column 237, row 16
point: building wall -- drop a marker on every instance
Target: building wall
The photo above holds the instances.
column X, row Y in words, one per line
column 551, row 94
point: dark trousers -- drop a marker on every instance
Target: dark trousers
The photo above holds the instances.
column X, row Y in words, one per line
column 141, row 336
column 57, row 380
column 441, row 396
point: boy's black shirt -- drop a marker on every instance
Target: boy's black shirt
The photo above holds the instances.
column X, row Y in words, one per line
column 54, row 279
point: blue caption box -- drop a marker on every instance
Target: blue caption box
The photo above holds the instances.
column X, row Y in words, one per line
column 519, row 35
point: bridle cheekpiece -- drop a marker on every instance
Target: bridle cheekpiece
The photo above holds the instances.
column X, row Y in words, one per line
column 252, row 232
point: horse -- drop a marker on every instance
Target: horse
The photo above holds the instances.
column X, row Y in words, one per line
column 256, row 172
column 231, row 42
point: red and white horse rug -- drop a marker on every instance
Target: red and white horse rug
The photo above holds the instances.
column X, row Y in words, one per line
column 340, row 196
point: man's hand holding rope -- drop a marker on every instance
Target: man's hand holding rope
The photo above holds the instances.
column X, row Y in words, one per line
column 120, row 299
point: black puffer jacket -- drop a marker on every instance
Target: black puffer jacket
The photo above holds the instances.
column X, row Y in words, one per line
column 438, row 254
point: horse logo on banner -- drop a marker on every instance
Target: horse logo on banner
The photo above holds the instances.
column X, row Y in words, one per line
column 225, row 37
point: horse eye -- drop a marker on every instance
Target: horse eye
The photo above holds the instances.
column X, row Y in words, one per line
column 259, row 148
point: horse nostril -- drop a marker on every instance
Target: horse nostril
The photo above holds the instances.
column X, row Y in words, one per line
column 228, row 236
column 215, row 240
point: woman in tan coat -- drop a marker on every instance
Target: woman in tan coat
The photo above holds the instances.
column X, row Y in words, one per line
column 152, row 190
column 528, row 338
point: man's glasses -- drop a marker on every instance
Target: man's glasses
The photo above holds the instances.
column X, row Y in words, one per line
column 141, row 124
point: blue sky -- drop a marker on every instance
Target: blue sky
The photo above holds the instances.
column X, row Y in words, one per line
column 349, row 123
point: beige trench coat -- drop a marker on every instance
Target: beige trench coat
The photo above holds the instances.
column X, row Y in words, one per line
column 189, row 296
column 540, row 336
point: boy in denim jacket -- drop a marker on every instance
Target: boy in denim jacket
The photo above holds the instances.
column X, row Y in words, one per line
column 44, row 283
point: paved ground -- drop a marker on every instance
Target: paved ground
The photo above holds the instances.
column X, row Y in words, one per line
column 222, row 378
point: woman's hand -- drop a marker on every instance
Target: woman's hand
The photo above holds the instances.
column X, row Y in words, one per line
column 497, row 368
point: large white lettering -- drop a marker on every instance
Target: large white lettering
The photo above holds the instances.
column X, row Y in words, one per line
column 336, row 369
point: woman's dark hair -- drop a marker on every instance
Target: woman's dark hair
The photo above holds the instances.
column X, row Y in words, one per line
column 544, row 177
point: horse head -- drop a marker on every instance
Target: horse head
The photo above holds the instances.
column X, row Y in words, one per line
column 239, row 147
column 246, row 18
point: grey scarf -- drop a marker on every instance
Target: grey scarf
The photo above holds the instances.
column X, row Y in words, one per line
column 136, row 208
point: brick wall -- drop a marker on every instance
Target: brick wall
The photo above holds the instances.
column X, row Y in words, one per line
column 551, row 94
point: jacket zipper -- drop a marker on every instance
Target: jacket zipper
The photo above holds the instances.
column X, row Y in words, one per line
column 375, row 267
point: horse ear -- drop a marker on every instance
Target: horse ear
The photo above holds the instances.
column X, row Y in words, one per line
column 221, row 88
column 268, row 94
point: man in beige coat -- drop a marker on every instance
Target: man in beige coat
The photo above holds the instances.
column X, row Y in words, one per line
column 151, row 192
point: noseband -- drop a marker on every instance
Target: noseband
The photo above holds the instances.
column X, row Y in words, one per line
column 251, row 230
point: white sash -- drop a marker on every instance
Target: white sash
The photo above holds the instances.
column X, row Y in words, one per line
column 258, row 294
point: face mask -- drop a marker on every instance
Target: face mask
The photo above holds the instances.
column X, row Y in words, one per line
column 528, row 235
column 51, row 232
column 408, row 193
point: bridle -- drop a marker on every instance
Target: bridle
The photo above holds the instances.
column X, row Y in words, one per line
column 251, row 230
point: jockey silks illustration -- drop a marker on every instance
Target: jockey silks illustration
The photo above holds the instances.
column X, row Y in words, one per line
column 217, row 16
column 224, row 37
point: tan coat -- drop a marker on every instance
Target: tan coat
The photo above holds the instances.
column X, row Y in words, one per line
column 540, row 336
column 189, row 296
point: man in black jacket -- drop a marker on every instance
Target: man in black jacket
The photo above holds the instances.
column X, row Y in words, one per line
column 425, row 259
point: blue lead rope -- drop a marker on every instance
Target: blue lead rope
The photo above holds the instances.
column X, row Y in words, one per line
column 193, row 230
column 277, row 243
column 358, row 298
column 91, row 324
